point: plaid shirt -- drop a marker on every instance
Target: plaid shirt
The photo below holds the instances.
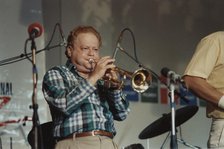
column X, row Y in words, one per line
column 78, row 106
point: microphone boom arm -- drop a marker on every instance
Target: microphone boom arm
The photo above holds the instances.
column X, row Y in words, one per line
column 23, row 56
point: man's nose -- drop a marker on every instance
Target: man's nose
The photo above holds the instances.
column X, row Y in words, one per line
column 91, row 52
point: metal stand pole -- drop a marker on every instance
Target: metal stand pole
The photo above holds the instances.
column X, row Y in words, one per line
column 10, row 142
column 173, row 141
column 34, row 96
column 164, row 142
column 0, row 143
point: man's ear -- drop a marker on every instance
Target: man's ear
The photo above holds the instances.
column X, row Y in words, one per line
column 68, row 51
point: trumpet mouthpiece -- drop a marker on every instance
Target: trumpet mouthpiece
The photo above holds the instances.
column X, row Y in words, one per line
column 91, row 61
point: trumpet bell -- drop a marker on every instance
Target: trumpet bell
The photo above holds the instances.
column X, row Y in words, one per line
column 141, row 80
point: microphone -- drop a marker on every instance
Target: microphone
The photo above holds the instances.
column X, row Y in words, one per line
column 166, row 72
column 171, row 75
column 35, row 30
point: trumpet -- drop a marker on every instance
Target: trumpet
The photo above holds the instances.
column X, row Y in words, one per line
column 141, row 79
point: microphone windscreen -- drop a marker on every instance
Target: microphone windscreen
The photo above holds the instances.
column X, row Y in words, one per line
column 35, row 29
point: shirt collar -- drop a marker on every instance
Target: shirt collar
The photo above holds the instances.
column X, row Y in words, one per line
column 70, row 65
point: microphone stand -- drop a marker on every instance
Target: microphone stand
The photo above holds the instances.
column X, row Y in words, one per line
column 173, row 143
column 173, row 140
column 34, row 96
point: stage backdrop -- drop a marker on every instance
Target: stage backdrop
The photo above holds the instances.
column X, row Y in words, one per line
column 166, row 34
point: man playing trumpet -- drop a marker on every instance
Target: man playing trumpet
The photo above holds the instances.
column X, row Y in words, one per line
column 83, row 109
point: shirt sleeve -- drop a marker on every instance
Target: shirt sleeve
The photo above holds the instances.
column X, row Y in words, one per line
column 118, row 104
column 204, row 58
